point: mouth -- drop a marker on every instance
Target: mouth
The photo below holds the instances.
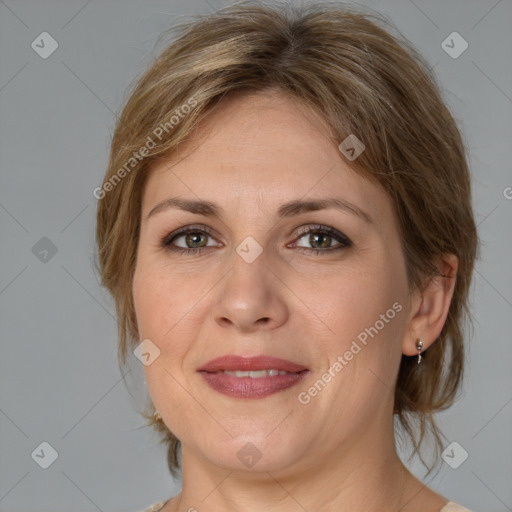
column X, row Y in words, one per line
column 251, row 377
column 235, row 363
column 258, row 374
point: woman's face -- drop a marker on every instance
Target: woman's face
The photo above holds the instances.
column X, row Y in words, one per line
column 325, row 289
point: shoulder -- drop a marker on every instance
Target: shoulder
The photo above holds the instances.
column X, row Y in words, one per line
column 155, row 508
column 451, row 506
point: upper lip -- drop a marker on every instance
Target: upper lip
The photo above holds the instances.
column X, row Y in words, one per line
column 233, row 362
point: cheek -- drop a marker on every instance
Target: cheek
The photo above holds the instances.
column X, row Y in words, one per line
column 366, row 315
column 161, row 311
column 149, row 302
column 365, row 350
column 161, row 300
column 169, row 308
column 356, row 299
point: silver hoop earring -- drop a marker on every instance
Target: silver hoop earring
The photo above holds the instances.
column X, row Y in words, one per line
column 419, row 346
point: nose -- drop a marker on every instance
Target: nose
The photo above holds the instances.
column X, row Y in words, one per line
column 251, row 297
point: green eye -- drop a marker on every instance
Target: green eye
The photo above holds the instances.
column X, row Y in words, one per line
column 196, row 240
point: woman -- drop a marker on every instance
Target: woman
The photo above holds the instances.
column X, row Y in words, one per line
column 286, row 228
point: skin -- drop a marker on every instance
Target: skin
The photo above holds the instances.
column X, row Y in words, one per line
column 250, row 156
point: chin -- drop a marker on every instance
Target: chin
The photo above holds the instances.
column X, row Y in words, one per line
column 255, row 455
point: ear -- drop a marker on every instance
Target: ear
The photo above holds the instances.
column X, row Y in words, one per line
column 429, row 307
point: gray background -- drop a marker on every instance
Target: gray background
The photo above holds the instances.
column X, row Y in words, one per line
column 60, row 381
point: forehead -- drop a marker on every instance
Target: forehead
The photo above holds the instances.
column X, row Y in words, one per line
column 258, row 151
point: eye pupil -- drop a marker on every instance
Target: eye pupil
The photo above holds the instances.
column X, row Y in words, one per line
column 194, row 237
column 313, row 240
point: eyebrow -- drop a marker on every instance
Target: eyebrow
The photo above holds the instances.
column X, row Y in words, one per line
column 289, row 209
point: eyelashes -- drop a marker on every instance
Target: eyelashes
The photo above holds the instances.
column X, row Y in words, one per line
column 318, row 234
column 325, row 232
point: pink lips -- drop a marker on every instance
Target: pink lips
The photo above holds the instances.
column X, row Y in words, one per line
column 251, row 387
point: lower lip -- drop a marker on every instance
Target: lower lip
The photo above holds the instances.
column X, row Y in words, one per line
column 248, row 387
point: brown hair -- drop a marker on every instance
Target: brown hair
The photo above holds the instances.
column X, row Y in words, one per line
column 363, row 80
